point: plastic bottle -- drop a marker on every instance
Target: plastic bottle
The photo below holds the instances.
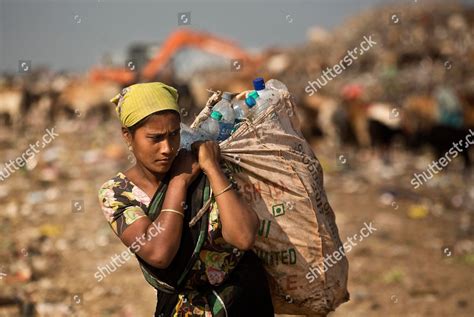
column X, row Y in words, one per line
column 242, row 108
column 276, row 85
column 207, row 131
column 211, row 126
column 266, row 93
column 265, row 97
column 226, row 124
column 187, row 136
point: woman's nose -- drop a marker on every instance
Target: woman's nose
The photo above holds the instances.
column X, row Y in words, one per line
column 166, row 147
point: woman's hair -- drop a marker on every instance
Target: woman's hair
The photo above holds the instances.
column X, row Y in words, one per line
column 143, row 121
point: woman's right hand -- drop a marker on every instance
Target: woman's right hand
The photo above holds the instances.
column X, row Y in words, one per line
column 185, row 167
column 208, row 153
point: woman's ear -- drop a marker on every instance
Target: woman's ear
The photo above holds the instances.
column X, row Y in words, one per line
column 127, row 136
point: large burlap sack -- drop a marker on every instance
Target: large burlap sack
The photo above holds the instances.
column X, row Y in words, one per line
column 278, row 174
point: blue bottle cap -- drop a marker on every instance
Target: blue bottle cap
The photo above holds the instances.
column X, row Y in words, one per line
column 250, row 102
column 216, row 115
column 254, row 95
column 259, row 83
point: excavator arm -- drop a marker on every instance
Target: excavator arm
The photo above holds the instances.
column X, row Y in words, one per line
column 175, row 42
column 189, row 38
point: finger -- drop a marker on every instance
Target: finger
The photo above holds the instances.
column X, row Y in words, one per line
column 195, row 146
column 217, row 147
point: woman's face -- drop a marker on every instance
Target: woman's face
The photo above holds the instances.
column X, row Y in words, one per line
column 156, row 143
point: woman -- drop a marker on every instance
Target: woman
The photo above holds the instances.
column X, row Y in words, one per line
column 153, row 202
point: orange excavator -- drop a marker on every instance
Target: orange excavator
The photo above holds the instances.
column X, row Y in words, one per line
column 141, row 70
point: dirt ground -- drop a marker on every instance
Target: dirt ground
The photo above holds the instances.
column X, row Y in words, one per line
column 419, row 262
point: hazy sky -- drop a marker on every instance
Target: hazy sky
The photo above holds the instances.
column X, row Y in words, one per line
column 73, row 35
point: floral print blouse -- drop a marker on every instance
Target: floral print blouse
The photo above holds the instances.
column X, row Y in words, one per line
column 122, row 203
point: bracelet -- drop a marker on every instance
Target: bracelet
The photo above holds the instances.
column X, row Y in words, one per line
column 224, row 190
column 173, row 211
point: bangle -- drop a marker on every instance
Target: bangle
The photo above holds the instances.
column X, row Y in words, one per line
column 173, row 211
column 224, row 190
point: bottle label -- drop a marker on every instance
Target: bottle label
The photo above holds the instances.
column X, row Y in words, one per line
column 225, row 129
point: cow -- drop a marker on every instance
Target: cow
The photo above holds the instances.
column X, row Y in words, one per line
column 11, row 103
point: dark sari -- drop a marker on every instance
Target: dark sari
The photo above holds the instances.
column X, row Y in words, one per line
column 207, row 277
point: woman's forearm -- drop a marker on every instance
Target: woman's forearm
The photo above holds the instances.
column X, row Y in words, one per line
column 239, row 222
column 171, row 222
column 161, row 245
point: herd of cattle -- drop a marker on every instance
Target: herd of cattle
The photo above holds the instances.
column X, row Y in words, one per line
column 38, row 101
column 435, row 120
column 438, row 119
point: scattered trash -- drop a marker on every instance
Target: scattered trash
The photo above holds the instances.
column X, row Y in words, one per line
column 50, row 230
column 415, row 62
column 418, row 212
column 393, row 276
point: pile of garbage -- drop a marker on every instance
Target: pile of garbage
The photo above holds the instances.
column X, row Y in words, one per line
column 418, row 46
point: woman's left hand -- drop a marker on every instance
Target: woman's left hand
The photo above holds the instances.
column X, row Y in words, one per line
column 185, row 167
column 208, row 153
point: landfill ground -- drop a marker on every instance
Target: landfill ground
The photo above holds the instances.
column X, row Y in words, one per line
column 419, row 261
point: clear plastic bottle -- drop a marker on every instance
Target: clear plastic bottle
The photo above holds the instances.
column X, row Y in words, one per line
column 266, row 93
column 209, row 130
column 264, row 97
column 211, row 126
column 275, row 84
column 242, row 109
column 187, row 137
column 226, row 124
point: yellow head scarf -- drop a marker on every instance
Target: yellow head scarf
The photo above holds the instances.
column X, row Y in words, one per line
column 140, row 100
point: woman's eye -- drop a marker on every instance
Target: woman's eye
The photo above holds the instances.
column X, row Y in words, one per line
column 160, row 138
column 157, row 138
